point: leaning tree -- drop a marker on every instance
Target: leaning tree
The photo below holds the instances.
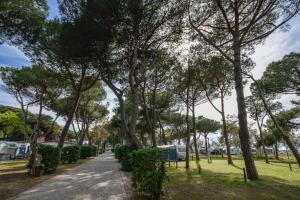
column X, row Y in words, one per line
column 233, row 28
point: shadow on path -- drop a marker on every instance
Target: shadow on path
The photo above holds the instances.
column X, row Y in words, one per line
column 99, row 178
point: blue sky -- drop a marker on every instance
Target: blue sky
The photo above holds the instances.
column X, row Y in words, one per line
column 274, row 48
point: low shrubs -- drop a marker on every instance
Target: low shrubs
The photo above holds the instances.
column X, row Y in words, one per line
column 149, row 173
column 70, row 154
column 88, row 151
column 123, row 154
column 49, row 158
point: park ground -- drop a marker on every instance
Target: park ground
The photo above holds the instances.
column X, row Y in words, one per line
column 222, row 181
column 217, row 180
column 14, row 177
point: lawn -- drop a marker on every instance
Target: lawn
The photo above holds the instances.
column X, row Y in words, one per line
column 14, row 178
column 222, row 181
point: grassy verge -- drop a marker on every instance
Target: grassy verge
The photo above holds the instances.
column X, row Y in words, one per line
column 14, row 178
column 222, row 181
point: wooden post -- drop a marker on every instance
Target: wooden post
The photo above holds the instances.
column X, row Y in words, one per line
column 169, row 163
column 176, row 164
column 290, row 167
column 245, row 176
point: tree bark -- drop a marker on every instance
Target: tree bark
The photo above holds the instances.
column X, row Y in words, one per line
column 164, row 139
column 276, row 151
column 262, row 140
column 195, row 133
column 187, row 159
column 148, row 121
column 242, row 115
column 129, row 136
column 225, row 133
column 69, row 121
column 206, row 144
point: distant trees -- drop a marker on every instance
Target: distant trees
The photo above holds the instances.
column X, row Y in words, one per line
column 10, row 123
column 206, row 126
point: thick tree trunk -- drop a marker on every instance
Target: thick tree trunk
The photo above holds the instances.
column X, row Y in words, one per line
column 134, row 117
column 242, row 115
column 69, row 121
column 225, row 133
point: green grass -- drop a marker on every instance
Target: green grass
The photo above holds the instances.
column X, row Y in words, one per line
column 222, row 181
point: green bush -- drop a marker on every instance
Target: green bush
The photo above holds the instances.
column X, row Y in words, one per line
column 123, row 154
column 50, row 157
column 149, row 173
column 70, row 154
column 88, row 151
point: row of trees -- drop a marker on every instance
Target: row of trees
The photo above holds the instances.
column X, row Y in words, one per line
column 131, row 46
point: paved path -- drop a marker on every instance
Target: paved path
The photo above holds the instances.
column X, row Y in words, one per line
column 99, row 179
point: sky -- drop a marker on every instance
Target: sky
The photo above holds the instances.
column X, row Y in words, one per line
column 274, row 48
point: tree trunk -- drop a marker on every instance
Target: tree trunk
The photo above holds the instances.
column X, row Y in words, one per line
column 206, row 143
column 262, row 140
column 187, row 159
column 285, row 137
column 69, row 121
column 242, row 115
column 195, row 134
column 148, row 121
column 225, row 133
column 24, row 113
column 276, row 151
column 128, row 135
column 164, row 139
column 34, row 139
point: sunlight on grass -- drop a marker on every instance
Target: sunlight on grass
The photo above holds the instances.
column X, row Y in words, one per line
column 222, row 181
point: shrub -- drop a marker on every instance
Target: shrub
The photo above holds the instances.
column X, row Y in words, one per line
column 88, row 151
column 149, row 173
column 70, row 153
column 50, row 157
column 123, row 154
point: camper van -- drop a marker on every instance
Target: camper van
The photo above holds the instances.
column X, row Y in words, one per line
column 175, row 152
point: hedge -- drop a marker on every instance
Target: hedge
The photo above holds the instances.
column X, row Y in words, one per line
column 88, row 151
column 50, row 157
column 123, row 154
column 70, row 154
column 149, row 173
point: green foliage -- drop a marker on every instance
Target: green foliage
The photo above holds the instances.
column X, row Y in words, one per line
column 282, row 77
column 70, row 154
column 10, row 123
column 21, row 20
column 123, row 154
column 88, row 151
column 149, row 172
column 50, row 157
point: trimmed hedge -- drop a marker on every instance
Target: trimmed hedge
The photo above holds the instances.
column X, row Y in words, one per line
column 88, row 151
column 70, row 154
column 149, row 174
column 123, row 154
column 50, row 157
